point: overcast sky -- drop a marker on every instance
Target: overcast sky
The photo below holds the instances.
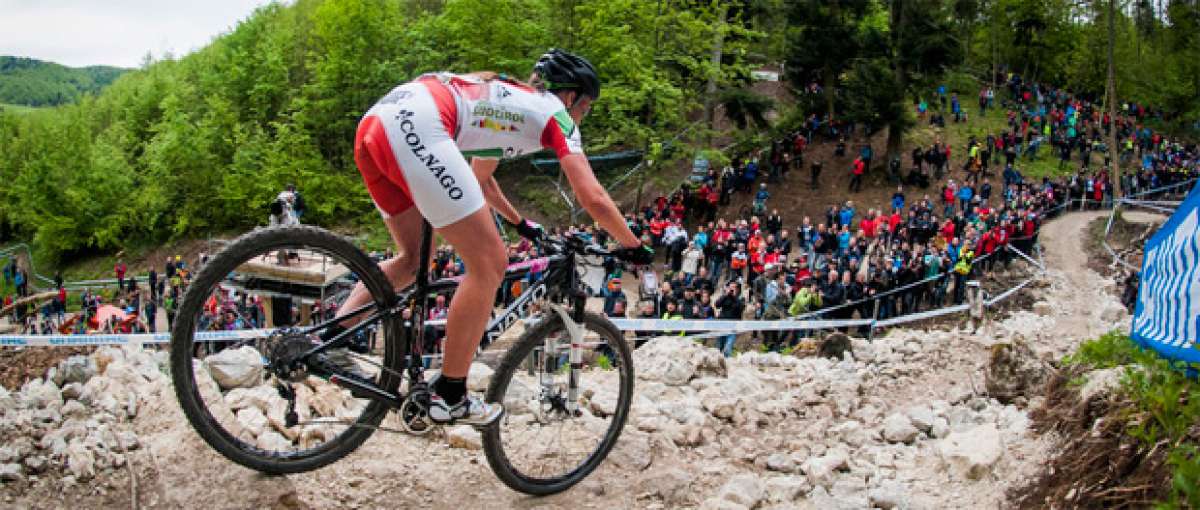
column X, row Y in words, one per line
column 114, row 32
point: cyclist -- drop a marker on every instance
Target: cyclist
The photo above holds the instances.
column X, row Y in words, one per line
column 434, row 143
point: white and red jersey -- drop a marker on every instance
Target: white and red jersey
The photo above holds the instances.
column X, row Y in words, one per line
column 503, row 119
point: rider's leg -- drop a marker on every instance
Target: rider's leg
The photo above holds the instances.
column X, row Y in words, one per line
column 485, row 262
column 405, row 229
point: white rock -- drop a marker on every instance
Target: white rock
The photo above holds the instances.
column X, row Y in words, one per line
column 254, row 421
column 603, row 403
column 940, row 428
column 105, row 355
column 888, row 495
column 328, row 399
column 1043, row 308
column 72, row 390
column 721, row 504
column 124, row 373
column 7, row 402
column 1113, row 313
column 465, row 437
column 36, row 464
column 80, row 461
column 819, row 498
column 675, row 361
column 785, row 489
column 128, row 440
column 852, row 433
column 632, row 452
column 744, row 489
column 479, row 377
column 259, row 397
column 77, row 369
column 972, row 453
column 820, row 470
column 236, row 368
column 1101, row 382
column 109, row 404
column 39, row 394
column 273, row 441
column 921, row 418
column 781, row 462
column 95, row 388
column 898, row 428
column 11, row 473
column 672, row 485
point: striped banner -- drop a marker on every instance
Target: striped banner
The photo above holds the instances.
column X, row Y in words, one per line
column 1167, row 317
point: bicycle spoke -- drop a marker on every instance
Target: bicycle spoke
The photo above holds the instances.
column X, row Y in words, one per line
column 553, row 444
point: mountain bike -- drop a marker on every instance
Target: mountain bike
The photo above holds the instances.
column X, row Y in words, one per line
column 261, row 388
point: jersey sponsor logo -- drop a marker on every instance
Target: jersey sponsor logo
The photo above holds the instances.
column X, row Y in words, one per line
column 497, row 112
column 431, row 162
column 495, row 126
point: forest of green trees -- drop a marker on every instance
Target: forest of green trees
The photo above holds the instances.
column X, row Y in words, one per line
column 30, row 82
column 199, row 143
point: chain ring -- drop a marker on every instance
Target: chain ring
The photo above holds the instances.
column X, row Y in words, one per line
column 414, row 418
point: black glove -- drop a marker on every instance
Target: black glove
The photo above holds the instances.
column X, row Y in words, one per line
column 529, row 230
column 640, row 256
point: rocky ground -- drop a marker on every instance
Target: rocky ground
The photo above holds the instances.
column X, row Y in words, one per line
column 915, row 419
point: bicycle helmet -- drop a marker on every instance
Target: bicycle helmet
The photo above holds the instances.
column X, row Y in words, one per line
column 561, row 70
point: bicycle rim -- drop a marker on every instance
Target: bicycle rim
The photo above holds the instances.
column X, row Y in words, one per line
column 537, row 447
column 248, row 305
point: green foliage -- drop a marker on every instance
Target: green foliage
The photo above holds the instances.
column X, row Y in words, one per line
column 30, row 82
column 200, row 144
column 1110, row 350
column 1166, row 406
column 603, row 362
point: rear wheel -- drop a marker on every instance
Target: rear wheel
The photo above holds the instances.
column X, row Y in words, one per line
column 251, row 306
column 540, row 446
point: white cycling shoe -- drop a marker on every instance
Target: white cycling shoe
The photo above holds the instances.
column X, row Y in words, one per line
column 471, row 411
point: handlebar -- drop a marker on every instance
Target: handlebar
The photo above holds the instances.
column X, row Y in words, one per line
column 573, row 245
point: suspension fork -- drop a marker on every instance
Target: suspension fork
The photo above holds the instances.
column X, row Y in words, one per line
column 573, row 323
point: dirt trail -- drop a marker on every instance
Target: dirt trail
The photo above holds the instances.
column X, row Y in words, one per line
column 1063, row 242
column 177, row 470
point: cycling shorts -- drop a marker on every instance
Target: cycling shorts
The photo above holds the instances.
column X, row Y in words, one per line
column 406, row 154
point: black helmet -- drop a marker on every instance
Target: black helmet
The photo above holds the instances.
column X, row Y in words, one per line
column 559, row 69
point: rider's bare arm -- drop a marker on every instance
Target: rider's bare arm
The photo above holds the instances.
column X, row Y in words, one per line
column 595, row 200
column 485, row 169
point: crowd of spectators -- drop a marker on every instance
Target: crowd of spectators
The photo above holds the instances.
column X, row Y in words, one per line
column 912, row 253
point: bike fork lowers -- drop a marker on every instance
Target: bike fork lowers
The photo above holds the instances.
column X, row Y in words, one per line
column 573, row 323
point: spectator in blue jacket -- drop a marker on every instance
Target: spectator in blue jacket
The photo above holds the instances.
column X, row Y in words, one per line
column 898, row 199
column 965, row 194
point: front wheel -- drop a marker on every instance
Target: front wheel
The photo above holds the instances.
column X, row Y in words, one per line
column 551, row 438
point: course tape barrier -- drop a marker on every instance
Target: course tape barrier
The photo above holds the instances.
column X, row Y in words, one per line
column 712, row 328
column 126, row 339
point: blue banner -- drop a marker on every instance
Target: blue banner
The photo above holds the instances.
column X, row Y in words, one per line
column 1167, row 317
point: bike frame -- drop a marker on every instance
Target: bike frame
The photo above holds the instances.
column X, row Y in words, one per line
column 558, row 282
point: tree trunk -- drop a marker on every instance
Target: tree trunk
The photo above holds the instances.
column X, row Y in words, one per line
column 828, row 77
column 1113, row 149
column 710, row 96
column 895, row 138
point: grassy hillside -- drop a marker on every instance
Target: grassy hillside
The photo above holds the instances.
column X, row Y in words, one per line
column 17, row 108
column 31, row 82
